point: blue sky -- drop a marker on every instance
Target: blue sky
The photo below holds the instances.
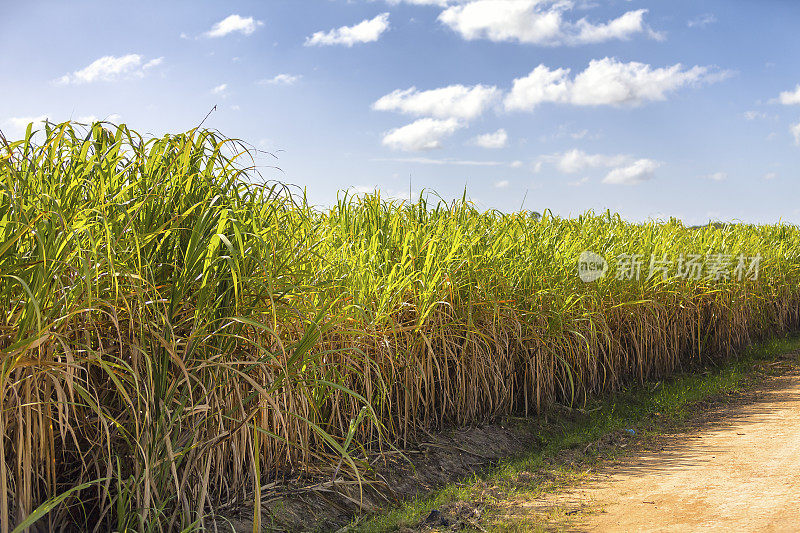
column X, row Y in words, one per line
column 652, row 109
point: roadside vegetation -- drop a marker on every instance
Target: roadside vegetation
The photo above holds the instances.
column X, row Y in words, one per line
column 573, row 441
column 176, row 333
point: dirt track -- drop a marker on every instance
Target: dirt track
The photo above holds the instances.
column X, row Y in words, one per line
column 740, row 472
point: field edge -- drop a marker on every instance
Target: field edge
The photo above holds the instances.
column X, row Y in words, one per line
column 574, row 440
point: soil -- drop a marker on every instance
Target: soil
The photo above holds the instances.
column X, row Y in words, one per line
column 437, row 459
column 736, row 469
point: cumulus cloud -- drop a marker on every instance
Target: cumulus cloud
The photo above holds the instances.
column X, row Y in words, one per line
column 366, row 31
column 637, row 172
column 281, row 79
column 606, row 81
column 541, row 85
column 576, row 160
column 716, row 176
column 233, row 24
column 454, row 101
column 502, row 184
column 790, row 97
column 495, row 140
column 539, row 22
column 111, row 68
column 624, row 169
column 423, row 134
column 219, row 89
column 445, row 109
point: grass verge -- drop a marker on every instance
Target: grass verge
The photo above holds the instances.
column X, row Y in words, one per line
column 571, row 440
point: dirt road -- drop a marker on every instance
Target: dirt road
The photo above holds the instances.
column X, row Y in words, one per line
column 740, row 472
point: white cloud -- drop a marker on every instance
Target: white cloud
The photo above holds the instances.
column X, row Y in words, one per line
column 716, row 176
column 637, row 172
column 498, row 139
column 366, row 31
column 795, row 130
column 423, row 134
column 621, row 28
column 538, row 22
column 111, row 68
column 577, row 160
column 541, row 85
column 624, row 169
column 790, row 97
column 14, row 127
column 605, row 81
column 219, row 89
column 516, row 164
column 454, row 101
column 232, row 24
column 608, row 81
column 22, row 122
column 702, row 21
column 770, row 176
column 281, row 79
column 153, row 63
column 502, row 184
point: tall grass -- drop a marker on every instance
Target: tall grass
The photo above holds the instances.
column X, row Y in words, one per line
column 175, row 334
